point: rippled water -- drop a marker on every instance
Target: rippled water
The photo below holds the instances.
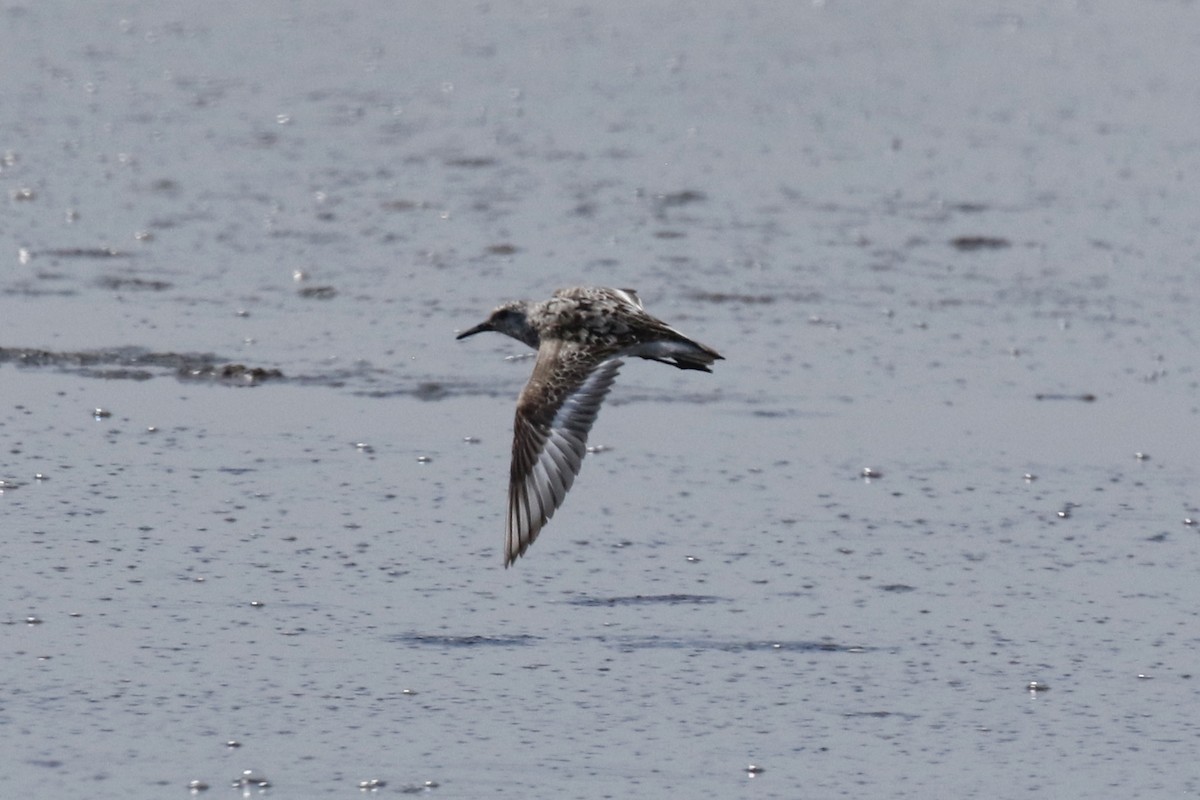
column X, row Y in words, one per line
column 929, row 530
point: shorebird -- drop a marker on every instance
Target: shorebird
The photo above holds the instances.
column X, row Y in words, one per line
column 580, row 334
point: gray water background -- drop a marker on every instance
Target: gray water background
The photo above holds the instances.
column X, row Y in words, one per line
column 952, row 243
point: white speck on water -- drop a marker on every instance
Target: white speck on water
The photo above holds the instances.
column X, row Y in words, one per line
column 251, row 780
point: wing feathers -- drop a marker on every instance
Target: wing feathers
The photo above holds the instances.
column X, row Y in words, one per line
column 554, row 414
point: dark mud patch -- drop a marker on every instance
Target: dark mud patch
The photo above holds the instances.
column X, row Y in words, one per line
column 136, row 363
column 1083, row 397
column 968, row 244
column 665, row 203
column 432, row 640
column 232, row 374
column 121, row 283
column 881, row 715
column 470, row 162
column 677, row 199
column 318, row 292
column 735, row 646
column 81, row 252
column 647, row 599
column 119, row 356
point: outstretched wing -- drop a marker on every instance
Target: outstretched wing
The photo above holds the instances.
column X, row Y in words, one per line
column 554, row 414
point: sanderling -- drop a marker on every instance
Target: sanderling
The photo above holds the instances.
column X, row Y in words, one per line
column 580, row 334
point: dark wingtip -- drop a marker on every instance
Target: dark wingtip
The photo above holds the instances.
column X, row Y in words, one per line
column 701, row 360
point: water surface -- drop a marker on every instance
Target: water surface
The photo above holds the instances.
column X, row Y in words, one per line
column 950, row 245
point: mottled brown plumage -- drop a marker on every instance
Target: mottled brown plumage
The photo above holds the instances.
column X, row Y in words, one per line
column 581, row 335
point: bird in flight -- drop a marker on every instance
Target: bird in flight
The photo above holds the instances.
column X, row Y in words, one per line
column 581, row 335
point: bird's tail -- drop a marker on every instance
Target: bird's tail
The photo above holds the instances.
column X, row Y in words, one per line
column 682, row 353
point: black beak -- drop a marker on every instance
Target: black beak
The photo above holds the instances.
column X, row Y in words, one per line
column 486, row 325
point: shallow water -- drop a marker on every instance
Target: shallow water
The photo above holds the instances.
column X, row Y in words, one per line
column 948, row 245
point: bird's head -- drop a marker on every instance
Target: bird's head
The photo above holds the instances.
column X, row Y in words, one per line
column 511, row 319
